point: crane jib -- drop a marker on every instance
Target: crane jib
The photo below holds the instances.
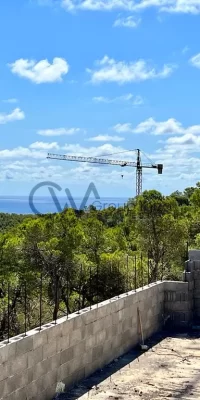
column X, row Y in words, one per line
column 138, row 165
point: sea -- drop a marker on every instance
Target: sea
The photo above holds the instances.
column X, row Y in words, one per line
column 47, row 204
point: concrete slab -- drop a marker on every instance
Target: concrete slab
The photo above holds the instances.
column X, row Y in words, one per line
column 170, row 369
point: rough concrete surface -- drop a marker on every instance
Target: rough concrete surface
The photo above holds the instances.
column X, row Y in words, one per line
column 169, row 369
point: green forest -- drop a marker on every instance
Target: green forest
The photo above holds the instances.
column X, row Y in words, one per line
column 55, row 264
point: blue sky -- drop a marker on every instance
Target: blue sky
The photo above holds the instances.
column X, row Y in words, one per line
column 98, row 77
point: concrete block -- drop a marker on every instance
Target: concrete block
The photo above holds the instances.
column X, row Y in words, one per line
column 3, row 372
column 75, row 365
column 97, row 352
column 103, row 311
column 3, row 388
column 128, row 311
column 79, row 349
column 98, row 325
column 79, row 375
column 90, row 369
column 67, row 327
column 90, row 342
column 15, row 382
column 100, row 337
column 188, row 276
column 53, row 332
column 67, row 355
column 191, row 286
column 39, row 339
column 196, row 275
column 196, row 293
column 127, row 346
column 117, row 305
column 88, row 330
column 24, row 345
column 48, row 394
column 47, row 380
column 41, row 369
column 126, row 337
column 34, row 357
column 18, row 365
column 194, row 255
column 108, row 320
column 78, row 321
column 62, row 343
column 49, row 349
column 54, row 362
column 63, row 372
column 93, row 367
column 87, row 357
column 19, row 394
column 197, row 265
column 116, row 342
column 190, row 266
column 7, row 352
column 126, row 324
column 90, row 316
column 115, row 318
column 130, row 300
column 177, row 306
column 76, row 336
column 109, row 331
column 31, row 390
column 196, row 303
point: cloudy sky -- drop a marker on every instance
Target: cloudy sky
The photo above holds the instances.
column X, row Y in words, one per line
column 96, row 78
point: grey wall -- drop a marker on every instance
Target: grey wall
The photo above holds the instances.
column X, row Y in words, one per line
column 192, row 276
column 30, row 367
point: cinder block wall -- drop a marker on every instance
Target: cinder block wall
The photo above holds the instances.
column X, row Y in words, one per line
column 73, row 349
column 178, row 304
column 192, row 276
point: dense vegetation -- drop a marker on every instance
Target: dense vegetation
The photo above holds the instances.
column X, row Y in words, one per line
column 73, row 259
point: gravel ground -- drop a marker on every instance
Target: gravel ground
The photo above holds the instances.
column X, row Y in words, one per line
column 169, row 369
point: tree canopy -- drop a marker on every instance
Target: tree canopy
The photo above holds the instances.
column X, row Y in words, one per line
column 55, row 264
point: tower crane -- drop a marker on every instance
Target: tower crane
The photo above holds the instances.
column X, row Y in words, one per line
column 138, row 165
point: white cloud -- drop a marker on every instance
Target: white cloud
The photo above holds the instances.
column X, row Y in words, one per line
column 106, row 138
column 15, row 115
column 185, row 50
column 109, row 70
column 170, row 6
column 19, row 152
column 195, row 61
column 11, row 101
column 44, row 146
column 134, row 100
column 186, row 140
column 42, row 71
column 105, row 149
column 127, row 22
column 123, row 128
column 159, row 128
column 58, row 131
column 150, row 126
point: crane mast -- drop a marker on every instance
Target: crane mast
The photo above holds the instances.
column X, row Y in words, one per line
column 138, row 165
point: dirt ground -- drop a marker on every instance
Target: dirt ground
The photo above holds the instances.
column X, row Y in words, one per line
column 169, row 369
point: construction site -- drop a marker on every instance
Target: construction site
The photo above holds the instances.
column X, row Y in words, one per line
column 142, row 344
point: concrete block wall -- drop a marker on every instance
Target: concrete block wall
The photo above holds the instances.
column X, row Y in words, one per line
column 31, row 366
column 178, row 304
column 192, row 276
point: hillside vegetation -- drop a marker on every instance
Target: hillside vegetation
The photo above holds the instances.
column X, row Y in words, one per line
column 54, row 264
